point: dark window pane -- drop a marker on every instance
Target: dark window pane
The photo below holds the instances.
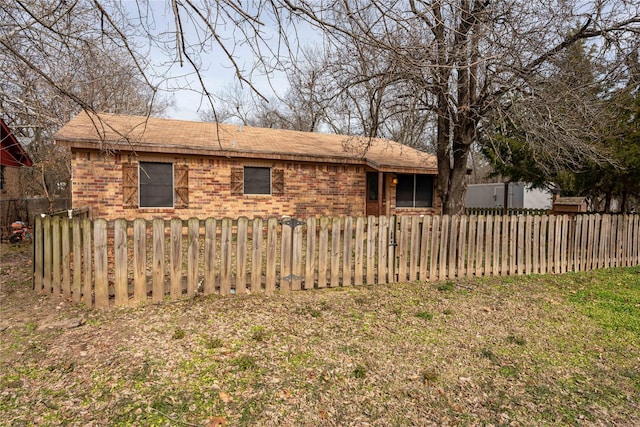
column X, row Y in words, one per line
column 257, row 180
column 424, row 191
column 404, row 191
column 372, row 185
column 156, row 185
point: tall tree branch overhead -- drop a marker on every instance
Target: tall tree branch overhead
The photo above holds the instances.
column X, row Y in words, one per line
column 402, row 68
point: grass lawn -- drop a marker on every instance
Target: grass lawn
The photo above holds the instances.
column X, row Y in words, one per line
column 535, row 350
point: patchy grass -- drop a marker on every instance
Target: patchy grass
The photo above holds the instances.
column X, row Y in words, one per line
column 536, row 350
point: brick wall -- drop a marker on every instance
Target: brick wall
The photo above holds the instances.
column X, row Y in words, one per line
column 309, row 189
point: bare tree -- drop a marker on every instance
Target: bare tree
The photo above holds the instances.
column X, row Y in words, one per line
column 465, row 60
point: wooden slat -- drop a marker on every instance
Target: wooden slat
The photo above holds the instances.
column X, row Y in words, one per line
column 285, row 257
column 520, row 246
column 241, row 255
column 462, row 246
column 359, row 252
column 87, row 270
column 323, row 252
column 488, row 246
column 38, row 256
column 139, row 260
column 577, row 258
column 193, row 255
column 76, row 286
column 544, row 229
column 535, row 248
column 335, row 252
column 157, row 269
column 425, row 241
column 479, row 255
column 347, row 253
column 226, row 256
column 120, row 262
column 310, row 256
column 371, row 250
column 444, row 243
column 175, row 260
column 66, row 257
column 495, row 267
column 504, row 245
column 210, row 270
column 528, row 243
column 392, row 242
column 56, row 256
column 403, row 248
column 100, row 263
column 272, row 254
column 602, row 241
column 453, row 246
column 383, row 242
column 435, row 245
column 257, row 256
column 414, row 248
column 471, row 249
column 296, row 259
column 513, row 242
column 595, row 250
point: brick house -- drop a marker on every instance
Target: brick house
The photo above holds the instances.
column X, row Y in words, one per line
column 12, row 158
column 132, row 166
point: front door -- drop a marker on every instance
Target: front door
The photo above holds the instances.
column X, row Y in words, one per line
column 375, row 193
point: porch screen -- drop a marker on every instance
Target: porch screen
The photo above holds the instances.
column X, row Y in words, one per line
column 156, row 185
column 414, row 191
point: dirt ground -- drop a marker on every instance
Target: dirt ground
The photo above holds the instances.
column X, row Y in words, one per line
column 539, row 350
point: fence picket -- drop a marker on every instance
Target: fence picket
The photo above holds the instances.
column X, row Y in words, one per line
column 38, row 258
column 241, row 255
column 175, row 258
column 462, row 246
column 76, row 287
column 87, row 271
column 335, row 253
column 382, row 249
column 120, row 262
column 444, row 240
column 535, row 248
column 323, row 252
column 157, row 275
column 488, row 249
column 310, row 258
column 100, row 263
column 392, row 243
column 403, row 248
column 257, row 234
column 226, row 256
column 139, row 260
column 435, row 244
column 193, row 255
column 296, row 259
column 471, row 250
column 347, row 254
column 359, row 252
column 479, row 245
column 56, row 255
column 66, row 257
column 371, row 250
column 272, row 251
column 453, row 245
column 210, row 234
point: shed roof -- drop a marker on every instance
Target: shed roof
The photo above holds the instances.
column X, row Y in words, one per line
column 11, row 152
column 160, row 135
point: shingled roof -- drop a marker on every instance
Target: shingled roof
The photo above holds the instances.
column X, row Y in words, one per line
column 160, row 135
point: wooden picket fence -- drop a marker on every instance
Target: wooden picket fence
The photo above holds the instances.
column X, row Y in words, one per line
column 121, row 262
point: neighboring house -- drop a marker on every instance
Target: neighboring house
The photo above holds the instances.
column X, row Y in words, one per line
column 520, row 196
column 132, row 166
column 12, row 158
